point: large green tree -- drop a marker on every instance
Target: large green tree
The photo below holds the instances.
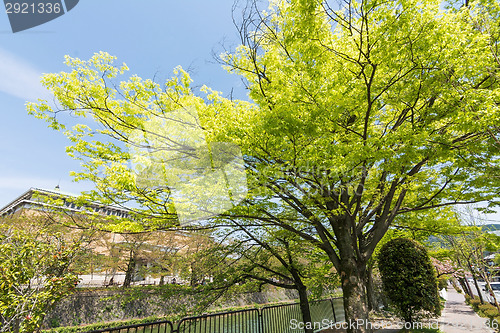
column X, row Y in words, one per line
column 358, row 113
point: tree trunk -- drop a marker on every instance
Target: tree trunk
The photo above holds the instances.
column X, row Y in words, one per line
column 465, row 286
column 370, row 294
column 490, row 290
column 130, row 272
column 351, row 268
column 476, row 284
column 352, row 276
column 193, row 280
column 304, row 307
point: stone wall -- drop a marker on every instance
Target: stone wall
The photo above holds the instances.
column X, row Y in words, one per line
column 101, row 305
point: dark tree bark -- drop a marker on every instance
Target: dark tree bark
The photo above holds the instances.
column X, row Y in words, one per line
column 465, row 286
column 475, row 282
column 129, row 274
column 370, row 292
column 352, row 276
column 296, row 284
column 304, row 306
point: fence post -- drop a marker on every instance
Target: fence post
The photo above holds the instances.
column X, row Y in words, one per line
column 333, row 310
column 261, row 321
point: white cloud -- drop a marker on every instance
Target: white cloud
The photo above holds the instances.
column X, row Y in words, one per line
column 19, row 78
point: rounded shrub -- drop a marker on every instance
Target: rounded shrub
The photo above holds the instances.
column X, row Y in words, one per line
column 409, row 279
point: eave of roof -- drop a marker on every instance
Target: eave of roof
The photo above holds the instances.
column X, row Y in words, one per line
column 16, row 201
column 23, row 198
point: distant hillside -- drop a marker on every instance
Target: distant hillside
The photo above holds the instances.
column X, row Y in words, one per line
column 491, row 227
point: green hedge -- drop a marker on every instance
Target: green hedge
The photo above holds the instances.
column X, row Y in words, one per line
column 409, row 279
column 98, row 326
column 475, row 302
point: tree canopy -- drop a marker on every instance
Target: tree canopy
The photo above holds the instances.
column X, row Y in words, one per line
column 357, row 113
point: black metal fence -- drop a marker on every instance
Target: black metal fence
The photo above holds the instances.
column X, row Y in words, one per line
column 283, row 318
column 242, row 321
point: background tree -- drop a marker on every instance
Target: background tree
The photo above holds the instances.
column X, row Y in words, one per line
column 130, row 252
column 34, row 274
column 469, row 248
column 164, row 253
column 195, row 262
column 409, row 279
column 359, row 113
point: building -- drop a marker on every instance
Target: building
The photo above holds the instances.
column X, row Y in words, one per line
column 42, row 200
column 111, row 255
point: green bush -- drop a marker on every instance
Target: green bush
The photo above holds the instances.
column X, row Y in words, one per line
column 485, row 310
column 91, row 327
column 409, row 279
column 484, row 307
column 475, row 302
column 442, row 283
column 488, row 310
column 27, row 261
column 54, row 323
column 491, row 313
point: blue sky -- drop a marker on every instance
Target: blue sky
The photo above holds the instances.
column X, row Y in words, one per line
column 151, row 37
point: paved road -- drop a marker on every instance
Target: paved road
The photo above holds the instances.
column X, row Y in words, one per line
column 458, row 317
